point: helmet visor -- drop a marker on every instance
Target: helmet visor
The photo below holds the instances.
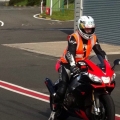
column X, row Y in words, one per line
column 88, row 30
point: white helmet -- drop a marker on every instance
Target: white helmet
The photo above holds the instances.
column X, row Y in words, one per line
column 86, row 23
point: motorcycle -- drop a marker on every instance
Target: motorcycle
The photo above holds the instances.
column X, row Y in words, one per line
column 88, row 95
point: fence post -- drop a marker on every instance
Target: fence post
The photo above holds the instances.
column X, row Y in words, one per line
column 42, row 7
column 59, row 4
column 81, row 8
column 67, row 4
column 51, row 4
column 78, row 12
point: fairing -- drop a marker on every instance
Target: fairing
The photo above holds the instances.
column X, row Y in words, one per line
column 96, row 70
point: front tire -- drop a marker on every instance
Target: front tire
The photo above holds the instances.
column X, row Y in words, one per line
column 107, row 108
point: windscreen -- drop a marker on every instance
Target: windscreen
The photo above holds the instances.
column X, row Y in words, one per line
column 97, row 59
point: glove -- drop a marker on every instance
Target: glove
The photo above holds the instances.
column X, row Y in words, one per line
column 74, row 69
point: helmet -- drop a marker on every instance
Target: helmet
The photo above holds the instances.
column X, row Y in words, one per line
column 86, row 27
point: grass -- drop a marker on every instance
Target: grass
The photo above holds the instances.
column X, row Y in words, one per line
column 22, row 3
column 62, row 15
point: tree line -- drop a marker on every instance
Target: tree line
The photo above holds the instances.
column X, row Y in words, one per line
column 28, row 2
column 33, row 2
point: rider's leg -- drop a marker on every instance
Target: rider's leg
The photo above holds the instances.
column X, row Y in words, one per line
column 64, row 76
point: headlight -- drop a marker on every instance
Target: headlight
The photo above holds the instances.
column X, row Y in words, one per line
column 105, row 79
column 95, row 78
column 113, row 77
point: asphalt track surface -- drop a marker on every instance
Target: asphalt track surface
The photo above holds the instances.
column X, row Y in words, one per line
column 26, row 70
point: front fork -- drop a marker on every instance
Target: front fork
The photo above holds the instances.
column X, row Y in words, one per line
column 96, row 103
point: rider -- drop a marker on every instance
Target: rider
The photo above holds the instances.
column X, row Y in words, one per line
column 80, row 45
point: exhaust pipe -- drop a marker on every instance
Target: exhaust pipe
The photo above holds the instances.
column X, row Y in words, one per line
column 50, row 86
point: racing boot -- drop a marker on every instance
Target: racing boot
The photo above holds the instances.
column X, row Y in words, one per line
column 58, row 97
column 60, row 93
column 52, row 116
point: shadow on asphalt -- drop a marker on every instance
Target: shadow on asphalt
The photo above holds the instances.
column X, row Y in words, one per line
column 67, row 31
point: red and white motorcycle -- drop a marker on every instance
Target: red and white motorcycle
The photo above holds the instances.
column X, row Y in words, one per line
column 88, row 96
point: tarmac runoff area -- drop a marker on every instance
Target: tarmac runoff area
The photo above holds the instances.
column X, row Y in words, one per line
column 56, row 48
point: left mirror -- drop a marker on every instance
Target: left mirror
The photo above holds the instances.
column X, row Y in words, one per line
column 117, row 62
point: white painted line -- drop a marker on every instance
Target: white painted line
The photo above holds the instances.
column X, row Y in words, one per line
column 44, row 100
column 23, row 88
column 36, row 16
column 117, row 115
column 28, row 92
column 2, row 23
column 24, row 91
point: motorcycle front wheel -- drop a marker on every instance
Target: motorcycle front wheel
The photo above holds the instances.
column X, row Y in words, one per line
column 107, row 108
